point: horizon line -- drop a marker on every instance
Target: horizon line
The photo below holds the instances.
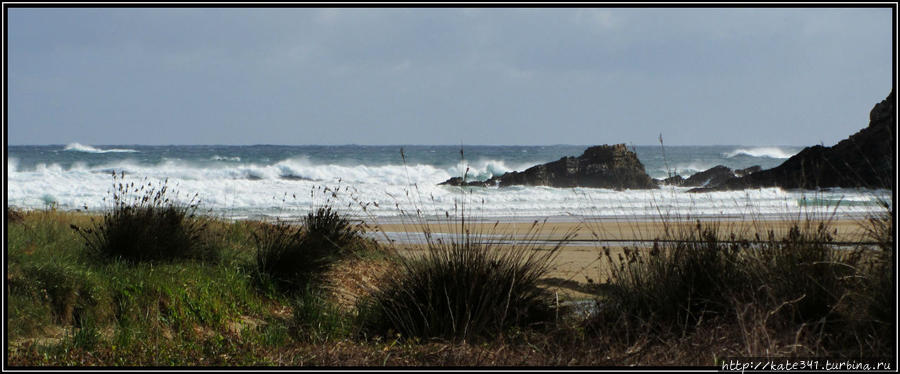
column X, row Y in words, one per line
column 404, row 145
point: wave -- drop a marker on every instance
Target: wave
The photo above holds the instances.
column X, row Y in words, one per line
column 225, row 158
column 289, row 169
column 770, row 152
column 682, row 169
column 249, row 189
column 484, row 169
column 252, row 192
column 78, row 147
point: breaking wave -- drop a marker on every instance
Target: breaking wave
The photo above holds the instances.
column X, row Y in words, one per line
column 225, row 158
column 770, row 152
column 248, row 189
column 78, row 147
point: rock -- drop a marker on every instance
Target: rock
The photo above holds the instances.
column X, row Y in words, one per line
column 604, row 166
column 676, row 180
column 865, row 159
column 710, row 177
column 713, row 176
column 455, row 181
column 747, row 171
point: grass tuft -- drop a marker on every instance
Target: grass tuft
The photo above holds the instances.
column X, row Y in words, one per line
column 831, row 298
column 291, row 256
column 470, row 286
column 145, row 224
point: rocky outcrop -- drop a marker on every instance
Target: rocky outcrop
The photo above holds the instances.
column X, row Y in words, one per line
column 604, row 166
column 713, row 176
column 747, row 171
column 865, row 159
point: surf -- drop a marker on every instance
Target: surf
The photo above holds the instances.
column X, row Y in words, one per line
column 78, row 147
column 770, row 152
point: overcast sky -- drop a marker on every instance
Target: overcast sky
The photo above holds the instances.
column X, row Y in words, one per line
column 445, row 76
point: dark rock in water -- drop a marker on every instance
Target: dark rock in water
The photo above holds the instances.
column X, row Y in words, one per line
column 676, row 180
column 454, row 181
column 865, row 159
column 603, row 166
column 710, row 177
column 747, row 171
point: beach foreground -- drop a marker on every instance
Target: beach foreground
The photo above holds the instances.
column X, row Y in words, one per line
column 70, row 307
column 579, row 266
column 612, row 232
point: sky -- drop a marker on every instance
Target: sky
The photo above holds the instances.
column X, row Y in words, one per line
column 540, row 76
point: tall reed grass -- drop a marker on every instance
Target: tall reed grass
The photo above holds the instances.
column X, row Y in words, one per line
column 474, row 285
column 833, row 299
column 293, row 256
column 145, row 224
column 468, row 282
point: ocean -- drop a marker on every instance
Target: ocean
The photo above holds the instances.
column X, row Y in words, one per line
column 264, row 181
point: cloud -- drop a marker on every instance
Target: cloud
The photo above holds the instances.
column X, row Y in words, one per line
column 436, row 75
column 596, row 19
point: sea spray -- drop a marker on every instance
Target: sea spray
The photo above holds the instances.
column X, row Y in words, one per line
column 77, row 147
column 770, row 152
column 253, row 186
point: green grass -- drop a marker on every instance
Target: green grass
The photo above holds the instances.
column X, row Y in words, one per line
column 145, row 223
column 467, row 301
column 53, row 284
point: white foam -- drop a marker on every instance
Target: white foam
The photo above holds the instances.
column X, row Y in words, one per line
column 77, row 147
column 225, row 158
column 770, row 152
column 248, row 190
column 483, row 169
column 683, row 169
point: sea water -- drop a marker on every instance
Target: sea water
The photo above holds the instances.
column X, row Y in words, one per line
column 259, row 181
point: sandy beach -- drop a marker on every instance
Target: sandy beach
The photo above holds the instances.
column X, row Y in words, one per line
column 579, row 264
column 843, row 230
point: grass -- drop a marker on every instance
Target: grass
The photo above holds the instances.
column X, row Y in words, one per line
column 61, row 300
column 145, row 224
column 470, row 286
column 470, row 299
column 831, row 301
column 293, row 256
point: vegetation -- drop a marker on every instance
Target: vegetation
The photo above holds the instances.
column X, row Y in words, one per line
column 63, row 301
column 145, row 224
column 292, row 256
column 473, row 298
column 831, row 300
column 470, row 286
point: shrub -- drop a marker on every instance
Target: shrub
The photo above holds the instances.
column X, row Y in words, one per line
column 879, row 227
column 326, row 228
column 802, row 272
column 681, row 280
column 468, row 287
column 836, row 298
column 144, row 224
column 293, row 255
